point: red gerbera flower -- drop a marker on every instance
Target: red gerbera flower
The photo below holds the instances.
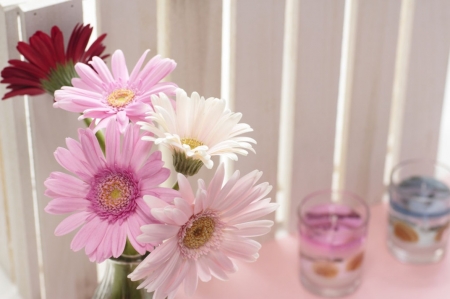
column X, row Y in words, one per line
column 48, row 67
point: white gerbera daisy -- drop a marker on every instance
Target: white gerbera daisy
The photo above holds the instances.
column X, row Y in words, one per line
column 196, row 130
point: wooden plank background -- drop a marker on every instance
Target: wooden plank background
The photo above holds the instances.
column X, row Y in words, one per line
column 369, row 95
column 318, row 63
column 257, row 82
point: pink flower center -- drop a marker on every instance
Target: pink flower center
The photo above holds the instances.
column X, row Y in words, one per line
column 113, row 194
column 201, row 234
column 120, row 98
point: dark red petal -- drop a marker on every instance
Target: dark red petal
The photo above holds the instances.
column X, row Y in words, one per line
column 96, row 49
column 47, row 41
column 31, row 55
column 28, row 67
column 58, row 44
column 83, row 40
column 21, row 81
column 40, row 47
column 73, row 42
column 23, row 91
column 11, row 71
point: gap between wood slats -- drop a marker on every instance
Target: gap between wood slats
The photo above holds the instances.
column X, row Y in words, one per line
column 228, row 65
column 287, row 101
column 399, row 89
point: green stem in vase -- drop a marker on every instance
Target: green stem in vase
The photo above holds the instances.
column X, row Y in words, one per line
column 99, row 135
column 129, row 250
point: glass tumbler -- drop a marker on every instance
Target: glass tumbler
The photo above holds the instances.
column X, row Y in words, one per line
column 419, row 213
column 332, row 228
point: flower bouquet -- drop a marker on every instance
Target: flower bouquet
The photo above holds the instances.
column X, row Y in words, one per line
column 156, row 238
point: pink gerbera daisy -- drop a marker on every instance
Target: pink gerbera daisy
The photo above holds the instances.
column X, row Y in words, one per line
column 103, row 96
column 202, row 235
column 106, row 195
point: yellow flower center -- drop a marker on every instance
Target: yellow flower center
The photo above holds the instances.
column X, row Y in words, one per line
column 193, row 143
column 120, row 98
column 115, row 194
column 199, row 233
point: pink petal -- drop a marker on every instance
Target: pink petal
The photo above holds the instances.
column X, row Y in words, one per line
column 185, row 189
column 191, row 282
column 254, row 228
column 176, row 215
column 119, row 239
column 216, row 184
column 222, row 261
column 140, row 154
column 269, row 208
column 112, row 144
column 179, row 277
column 122, row 120
column 66, row 205
column 89, row 76
column 102, row 70
column 137, row 67
column 215, row 269
column 67, row 160
column 154, row 202
column 157, row 232
column 130, row 139
column 221, row 195
column 203, row 270
column 149, row 183
column 71, row 223
column 183, row 206
column 83, row 235
column 166, row 271
column 158, row 257
column 67, row 186
column 119, row 66
column 92, row 150
column 96, row 238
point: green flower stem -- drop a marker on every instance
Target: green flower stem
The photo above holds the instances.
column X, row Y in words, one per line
column 99, row 135
column 176, row 187
column 129, row 249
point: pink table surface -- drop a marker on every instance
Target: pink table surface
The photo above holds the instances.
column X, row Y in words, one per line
column 274, row 275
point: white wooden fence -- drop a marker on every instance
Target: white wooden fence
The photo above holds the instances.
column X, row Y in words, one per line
column 336, row 90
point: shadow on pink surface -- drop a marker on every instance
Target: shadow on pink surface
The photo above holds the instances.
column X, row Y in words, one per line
column 275, row 273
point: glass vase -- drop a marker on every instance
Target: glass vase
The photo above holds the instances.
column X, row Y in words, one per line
column 115, row 283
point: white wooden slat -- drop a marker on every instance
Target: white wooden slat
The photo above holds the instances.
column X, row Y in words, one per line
column 369, row 94
column 5, row 228
column 425, row 80
column 131, row 27
column 192, row 37
column 67, row 274
column 15, row 185
column 320, row 25
column 257, row 82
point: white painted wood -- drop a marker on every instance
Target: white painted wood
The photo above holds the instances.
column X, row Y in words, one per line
column 192, row 37
column 15, row 180
column 67, row 274
column 130, row 27
column 369, row 96
column 257, row 82
column 425, row 81
column 319, row 52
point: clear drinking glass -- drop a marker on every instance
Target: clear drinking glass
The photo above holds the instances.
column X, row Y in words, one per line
column 419, row 213
column 333, row 228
